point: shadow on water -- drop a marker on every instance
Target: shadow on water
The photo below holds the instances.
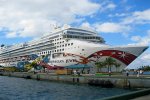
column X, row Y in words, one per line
column 22, row 89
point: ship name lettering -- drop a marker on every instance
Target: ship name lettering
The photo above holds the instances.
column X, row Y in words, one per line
column 56, row 61
column 70, row 60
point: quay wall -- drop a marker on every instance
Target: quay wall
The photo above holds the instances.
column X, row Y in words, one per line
column 121, row 82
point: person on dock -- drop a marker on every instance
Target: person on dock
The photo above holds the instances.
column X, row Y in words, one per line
column 127, row 73
column 138, row 73
column 109, row 73
column 74, row 72
column 78, row 72
column 141, row 72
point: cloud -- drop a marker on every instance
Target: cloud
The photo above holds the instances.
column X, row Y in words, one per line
column 125, row 24
column 135, row 38
column 106, row 6
column 29, row 18
column 118, row 15
column 11, row 34
column 138, row 17
column 87, row 25
column 109, row 27
column 111, row 6
column 141, row 40
column 146, row 57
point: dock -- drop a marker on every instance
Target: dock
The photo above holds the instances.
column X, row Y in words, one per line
column 120, row 81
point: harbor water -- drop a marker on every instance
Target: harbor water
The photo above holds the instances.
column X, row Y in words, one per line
column 12, row 88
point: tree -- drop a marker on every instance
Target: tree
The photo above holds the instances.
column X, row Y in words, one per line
column 99, row 65
column 117, row 65
column 109, row 62
column 146, row 68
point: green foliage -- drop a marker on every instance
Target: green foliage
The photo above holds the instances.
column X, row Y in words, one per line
column 117, row 65
column 99, row 65
column 145, row 68
column 109, row 62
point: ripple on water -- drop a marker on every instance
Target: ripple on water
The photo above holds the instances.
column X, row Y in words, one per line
column 23, row 89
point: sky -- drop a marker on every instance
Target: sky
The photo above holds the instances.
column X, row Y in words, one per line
column 119, row 22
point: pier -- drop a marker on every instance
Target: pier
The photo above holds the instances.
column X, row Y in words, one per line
column 119, row 81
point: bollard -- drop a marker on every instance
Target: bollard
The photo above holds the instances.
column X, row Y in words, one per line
column 37, row 77
column 78, row 80
column 73, row 80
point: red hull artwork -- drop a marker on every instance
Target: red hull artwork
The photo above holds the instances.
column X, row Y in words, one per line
column 122, row 56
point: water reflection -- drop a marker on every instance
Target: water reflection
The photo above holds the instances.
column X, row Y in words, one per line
column 23, row 89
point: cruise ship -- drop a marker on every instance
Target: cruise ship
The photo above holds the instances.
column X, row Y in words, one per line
column 67, row 46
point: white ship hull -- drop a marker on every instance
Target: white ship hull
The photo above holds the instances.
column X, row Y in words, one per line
column 69, row 46
column 99, row 52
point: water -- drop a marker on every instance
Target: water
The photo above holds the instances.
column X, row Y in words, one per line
column 12, row 88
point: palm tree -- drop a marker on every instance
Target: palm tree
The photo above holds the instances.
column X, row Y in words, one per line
column 109, row 62
column 117, row 66
column 99, row 65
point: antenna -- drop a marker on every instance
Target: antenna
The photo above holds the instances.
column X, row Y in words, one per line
column 54, row 26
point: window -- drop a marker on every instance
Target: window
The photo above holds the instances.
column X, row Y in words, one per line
column 76, row 37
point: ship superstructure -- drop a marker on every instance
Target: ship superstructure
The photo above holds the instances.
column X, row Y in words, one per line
column 69, row 46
